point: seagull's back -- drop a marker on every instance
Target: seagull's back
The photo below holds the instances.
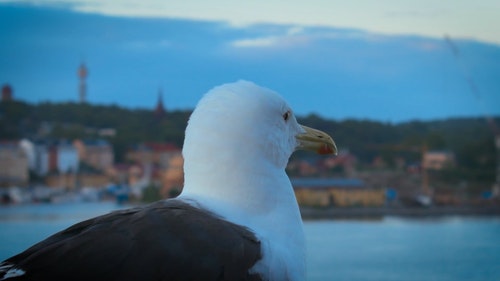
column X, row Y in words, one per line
column 167, row 240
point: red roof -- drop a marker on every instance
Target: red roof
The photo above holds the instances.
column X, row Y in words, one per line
column 161, row 147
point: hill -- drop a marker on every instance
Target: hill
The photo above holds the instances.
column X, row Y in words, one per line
column 470, row 139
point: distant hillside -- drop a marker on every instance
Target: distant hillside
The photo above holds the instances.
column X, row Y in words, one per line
column 471, row 139
column 73, row 120
column 371, row 137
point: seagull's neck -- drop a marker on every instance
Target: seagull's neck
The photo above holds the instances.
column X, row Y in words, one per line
column 254, row 188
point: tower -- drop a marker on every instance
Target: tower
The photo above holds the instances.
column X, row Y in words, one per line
column 160, row 109
column 82, row 75
column 6, row 92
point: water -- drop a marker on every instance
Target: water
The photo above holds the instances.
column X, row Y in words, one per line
column 451, row 249
column 396, row 249
column 23, row 225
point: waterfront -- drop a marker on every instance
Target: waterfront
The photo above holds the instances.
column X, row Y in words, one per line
column 388, row 248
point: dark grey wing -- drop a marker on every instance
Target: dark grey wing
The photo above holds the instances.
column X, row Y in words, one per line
column 168, row 240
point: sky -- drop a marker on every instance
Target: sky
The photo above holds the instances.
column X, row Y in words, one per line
column 381, row 60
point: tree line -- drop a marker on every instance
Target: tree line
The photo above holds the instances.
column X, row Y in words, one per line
column 470, row 139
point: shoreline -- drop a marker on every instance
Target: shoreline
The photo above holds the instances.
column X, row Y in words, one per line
column 311, row 213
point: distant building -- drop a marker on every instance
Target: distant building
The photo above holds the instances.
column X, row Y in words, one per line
column 59, row 162
column 67, row 158
column 302, row 168
column 155, row 153
column 7, row 94
column 324, row 192
column 172, row 179
column 437, row 160
column 72, row 181
column 344, row 161
column 14, row 166
column 29, row 149
column 165, row 163
column 59, row 158
column 95, row 153
column 128, row 174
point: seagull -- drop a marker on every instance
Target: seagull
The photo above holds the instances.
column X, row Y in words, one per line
column 236, row 219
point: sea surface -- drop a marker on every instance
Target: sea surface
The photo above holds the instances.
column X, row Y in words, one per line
column 450, row 248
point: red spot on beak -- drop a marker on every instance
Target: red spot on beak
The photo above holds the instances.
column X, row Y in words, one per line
column 325, row 149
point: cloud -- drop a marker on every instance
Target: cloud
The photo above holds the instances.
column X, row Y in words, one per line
column 289, row 37
column 256, row 42
column 299, row 36
column 294, row 30
column 466, row 19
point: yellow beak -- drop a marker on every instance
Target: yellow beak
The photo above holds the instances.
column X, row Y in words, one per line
column 316, row 140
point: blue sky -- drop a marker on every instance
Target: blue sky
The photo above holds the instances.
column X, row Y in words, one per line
column 348, row 67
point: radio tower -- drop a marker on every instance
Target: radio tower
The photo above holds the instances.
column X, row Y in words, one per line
column 82, row 74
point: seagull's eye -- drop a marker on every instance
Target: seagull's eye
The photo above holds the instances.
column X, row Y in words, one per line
column 286, row 116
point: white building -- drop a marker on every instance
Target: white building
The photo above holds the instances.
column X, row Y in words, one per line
column 67, row 158
column 61, row 158
column 438, row 160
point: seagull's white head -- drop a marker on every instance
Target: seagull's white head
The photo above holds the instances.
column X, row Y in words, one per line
column 249, row 122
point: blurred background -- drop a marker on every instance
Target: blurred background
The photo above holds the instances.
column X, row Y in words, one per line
column 95, row 97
